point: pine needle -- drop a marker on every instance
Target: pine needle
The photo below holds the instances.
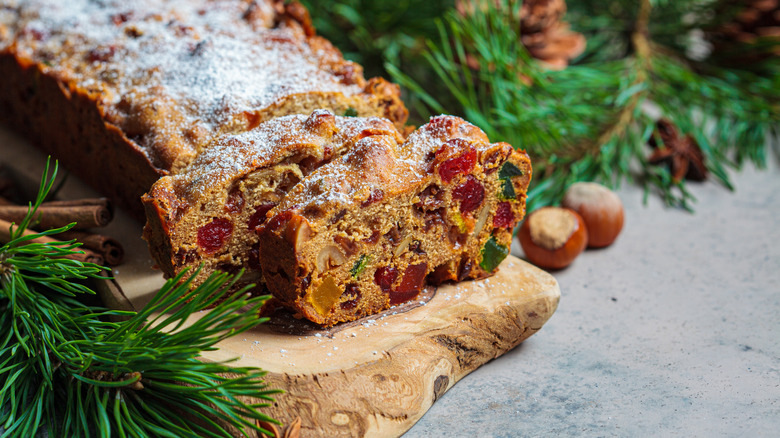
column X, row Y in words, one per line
column 590, row 120
column 67, row 368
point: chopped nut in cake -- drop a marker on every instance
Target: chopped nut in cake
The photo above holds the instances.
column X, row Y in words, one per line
column 367, row 230
column 143, row 85
column 207, row 213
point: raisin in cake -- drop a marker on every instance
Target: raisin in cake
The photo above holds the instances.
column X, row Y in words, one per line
column 365, row 231
column 207, row 213
column 123, row 92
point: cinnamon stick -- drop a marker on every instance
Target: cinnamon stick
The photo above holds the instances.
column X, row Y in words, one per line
column 109, row 248
column 55, row 216
column 103, row 202
column 87, row 256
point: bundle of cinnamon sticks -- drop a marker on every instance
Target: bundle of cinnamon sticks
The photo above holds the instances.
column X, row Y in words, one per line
column 86, row 213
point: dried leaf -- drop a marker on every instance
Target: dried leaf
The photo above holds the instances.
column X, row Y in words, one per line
column 294, row 430
column 270, row 427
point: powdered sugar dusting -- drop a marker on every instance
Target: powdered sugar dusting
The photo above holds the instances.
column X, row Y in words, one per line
column 425, row 140
column 270, row 143
column 203, row 57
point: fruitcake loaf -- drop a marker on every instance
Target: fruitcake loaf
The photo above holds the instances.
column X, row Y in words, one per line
column 364, row 231
column 207, row 213
column 125, row 91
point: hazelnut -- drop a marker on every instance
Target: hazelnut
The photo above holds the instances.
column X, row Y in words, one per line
column 600, row 208
column 297, row 231
column 328, row 257
column 552, row 237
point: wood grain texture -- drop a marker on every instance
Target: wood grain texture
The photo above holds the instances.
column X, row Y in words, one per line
column 377, row 376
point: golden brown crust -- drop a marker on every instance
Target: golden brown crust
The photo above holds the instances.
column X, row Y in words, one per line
column 65, row 122
column 163, row 78
column 365, row 231
column 234, row 179
column 223, row 100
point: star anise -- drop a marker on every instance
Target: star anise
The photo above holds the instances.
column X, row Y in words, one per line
column 681, row 153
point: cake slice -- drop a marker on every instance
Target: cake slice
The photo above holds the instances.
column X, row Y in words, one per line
column 365, row 231
column 208, row 212
column 123, row 92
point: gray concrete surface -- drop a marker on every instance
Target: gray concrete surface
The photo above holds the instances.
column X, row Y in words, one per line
column 672, row 331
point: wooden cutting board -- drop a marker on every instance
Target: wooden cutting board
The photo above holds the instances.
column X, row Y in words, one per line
column 373, row 377
column 379, row 375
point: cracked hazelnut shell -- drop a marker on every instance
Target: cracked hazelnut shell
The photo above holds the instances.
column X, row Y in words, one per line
column 552, row 237
column 600, row 208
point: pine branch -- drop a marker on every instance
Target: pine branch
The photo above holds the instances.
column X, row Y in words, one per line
column 588, row 122
column 66, row 367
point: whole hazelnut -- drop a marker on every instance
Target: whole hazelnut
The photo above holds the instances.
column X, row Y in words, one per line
column 600, row 208
column 552, row 237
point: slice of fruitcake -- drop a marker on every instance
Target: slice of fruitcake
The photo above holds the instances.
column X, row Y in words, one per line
column 207, row 213
column 365, row 231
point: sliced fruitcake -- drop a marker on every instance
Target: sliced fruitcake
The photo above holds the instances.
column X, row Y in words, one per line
column 364, row 232
column 207, row 213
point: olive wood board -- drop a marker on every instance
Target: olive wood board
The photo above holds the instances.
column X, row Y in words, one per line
column 373, row 377
column 377, row 376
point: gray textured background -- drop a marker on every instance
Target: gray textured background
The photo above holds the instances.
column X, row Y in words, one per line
column 672, row 331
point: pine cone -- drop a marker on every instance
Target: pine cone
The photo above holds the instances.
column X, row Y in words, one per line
column 753, row 34
column 542, row 32
column 540, row 15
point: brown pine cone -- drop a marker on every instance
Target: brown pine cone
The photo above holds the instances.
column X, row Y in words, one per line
column 753, row 34
column 542, row 32
column 540, row 15
column 556, row 46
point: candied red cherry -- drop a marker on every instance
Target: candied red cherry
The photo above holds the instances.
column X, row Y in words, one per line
column 411, row 284
column 459, row 165
column 505, row 217
column 235, row 201
column 470, row 194
column 213, row 235
column 258, row 217
column 385, row 276
column 353, row 292
column 402, row 296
